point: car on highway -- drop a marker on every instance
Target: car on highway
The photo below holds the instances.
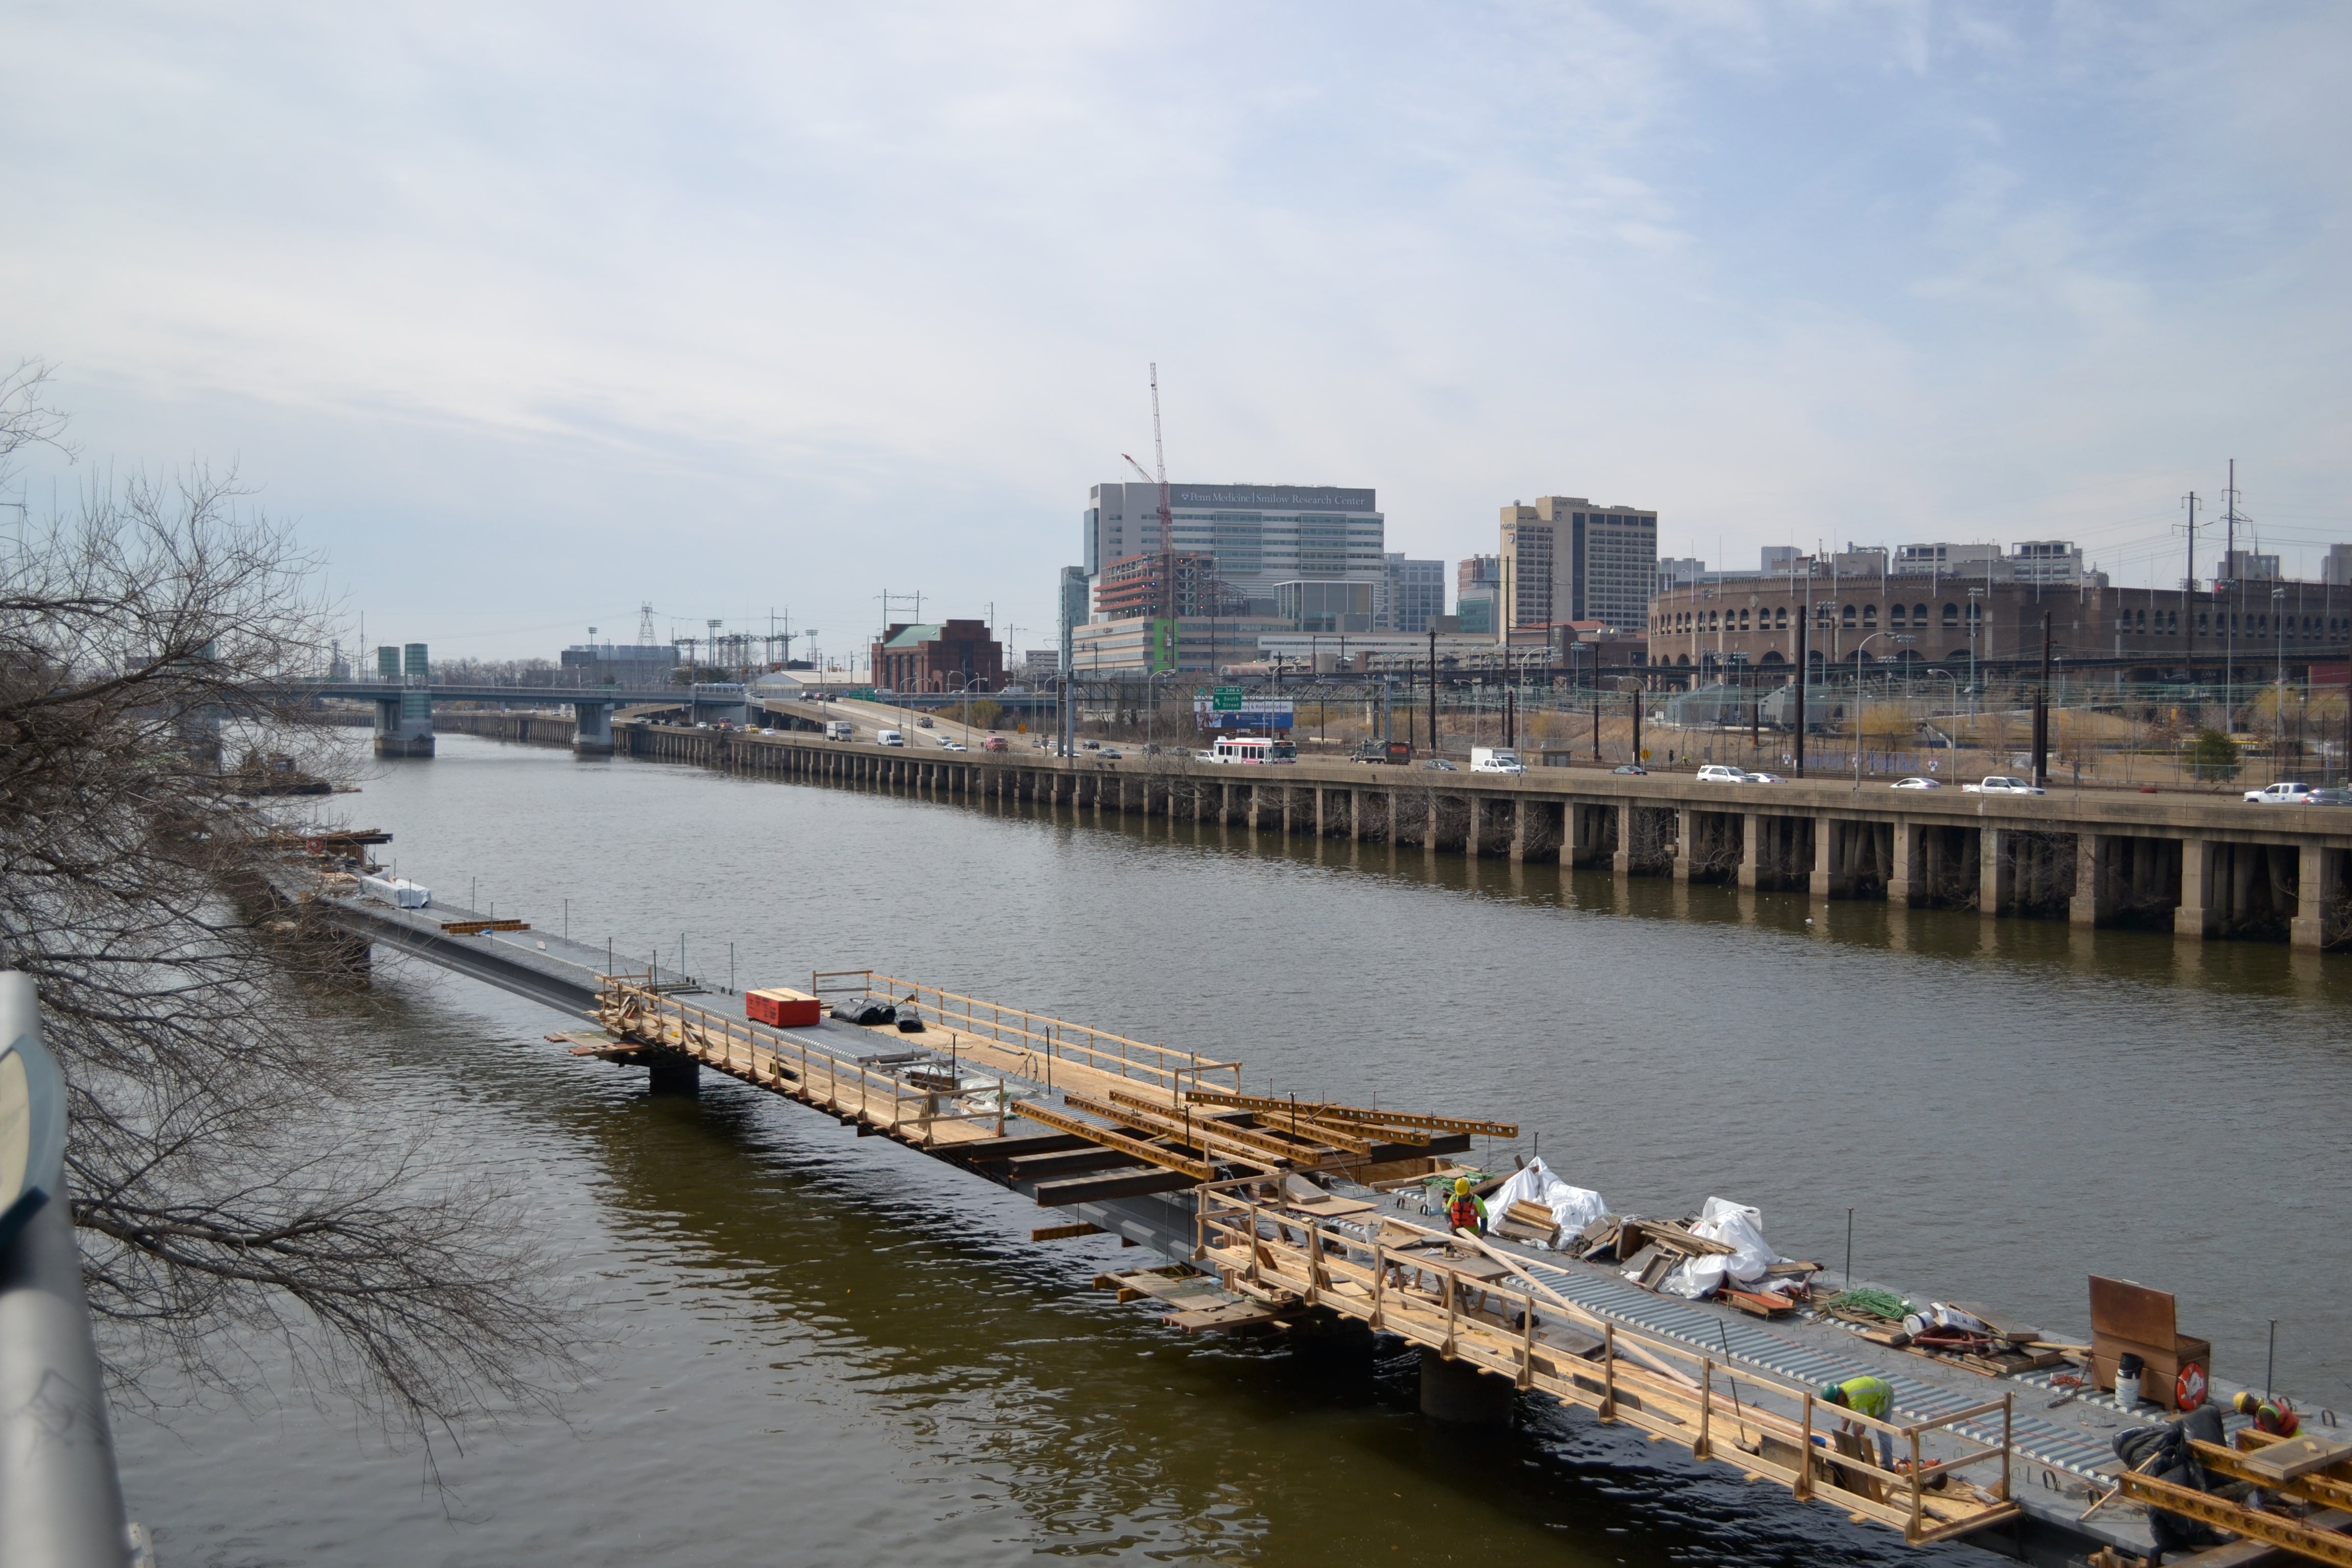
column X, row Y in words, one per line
column 889, row 737
column 1440, row 765
column 1715, row 772
column 2334, row 795
column 1755, row 777
column 1634, row 768
column 948, row 745
column 1112, row 754
column 1917, row 781
column 2280, row 794
column 922, row 721
column 2003, row 784
column 994, row 743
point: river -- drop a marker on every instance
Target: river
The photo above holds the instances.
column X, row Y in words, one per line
column 828, row 1350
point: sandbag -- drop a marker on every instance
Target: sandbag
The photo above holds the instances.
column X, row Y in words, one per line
column 1573, row 1208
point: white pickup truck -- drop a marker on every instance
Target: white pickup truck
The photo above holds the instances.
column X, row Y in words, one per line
column 1496, row 760
column 2003, row 784
column 2282, row 794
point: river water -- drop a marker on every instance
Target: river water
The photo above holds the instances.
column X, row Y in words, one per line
column 829, row 1350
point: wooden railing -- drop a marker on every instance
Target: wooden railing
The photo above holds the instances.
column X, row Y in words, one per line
column 1647, row 1381
column 1166, row 1068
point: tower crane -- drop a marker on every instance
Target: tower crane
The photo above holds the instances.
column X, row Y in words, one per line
column 1168, row 602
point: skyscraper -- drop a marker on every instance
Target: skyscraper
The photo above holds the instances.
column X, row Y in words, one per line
column 1412, row 593
column 1262, row 536
column 1564, row 559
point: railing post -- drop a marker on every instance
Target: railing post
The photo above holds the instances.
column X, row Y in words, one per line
column 1913, row 1530
column 1526, row 1342
column 2008, row 1419
column 1314, row 1260
column 1452, row 1290
column 1379, row 1280
column 1804, row 1486
column 1608, row 1411
column 1703, row 1449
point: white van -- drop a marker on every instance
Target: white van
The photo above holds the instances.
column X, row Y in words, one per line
column 891, row 738
column 1496, row 760
column 838, row 729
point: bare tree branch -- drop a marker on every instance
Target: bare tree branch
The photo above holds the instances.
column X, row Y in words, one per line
column 225, row 1181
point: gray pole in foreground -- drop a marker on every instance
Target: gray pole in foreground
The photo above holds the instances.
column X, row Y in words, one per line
column 59, row 1494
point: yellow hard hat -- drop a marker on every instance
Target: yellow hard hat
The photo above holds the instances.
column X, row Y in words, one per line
column 1460, row 1186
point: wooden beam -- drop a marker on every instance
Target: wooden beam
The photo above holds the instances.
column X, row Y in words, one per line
column 1066, row 1232
column 2324, row 1545
column 1015, row 1145
column 1074, row 1163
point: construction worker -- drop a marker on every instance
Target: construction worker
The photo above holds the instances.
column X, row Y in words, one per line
column 1865, row 1395
column 1466, row 1212
column 2272, row 1416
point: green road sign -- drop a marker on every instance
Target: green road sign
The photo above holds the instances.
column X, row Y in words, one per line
column 1226, row 700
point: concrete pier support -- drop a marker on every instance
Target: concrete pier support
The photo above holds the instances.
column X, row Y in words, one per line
column 1997, row 873
column 1460, row 1393
column 2089, row 906
column 2319, row 888
column 1751, row 838
column 591, row 729
column 673, row 1072
column 2196, row 917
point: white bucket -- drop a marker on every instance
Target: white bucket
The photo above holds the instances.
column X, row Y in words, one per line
column 2128, row 1389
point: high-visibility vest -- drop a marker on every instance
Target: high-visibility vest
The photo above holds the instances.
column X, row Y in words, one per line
column 1462, row 1214
column 1872, row 1397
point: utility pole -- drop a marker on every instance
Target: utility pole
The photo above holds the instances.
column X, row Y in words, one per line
column 2228, row 572
column 2041, row 711
column 1804, row 671
column 1433, row 691
column 2188, row 594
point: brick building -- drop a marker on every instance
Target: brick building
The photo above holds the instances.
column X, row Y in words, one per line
column 1892, row 618
column 941, row 655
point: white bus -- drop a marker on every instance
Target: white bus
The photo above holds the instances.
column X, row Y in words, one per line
column 1253, row 749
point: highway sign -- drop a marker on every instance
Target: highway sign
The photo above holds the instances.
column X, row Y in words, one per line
column 1226, row 698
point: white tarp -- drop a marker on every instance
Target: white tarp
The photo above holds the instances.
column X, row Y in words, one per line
column 1572, row 1207
column 1739, row 1227
column 397, row 891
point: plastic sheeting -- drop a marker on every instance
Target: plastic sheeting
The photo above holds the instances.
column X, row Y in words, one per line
column 1572, row 1207
column 1739, row 1227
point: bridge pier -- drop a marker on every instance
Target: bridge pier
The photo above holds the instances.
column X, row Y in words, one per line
column 1462, row 1394
column 403, row 725
column 591, row 729
column 673, row 1072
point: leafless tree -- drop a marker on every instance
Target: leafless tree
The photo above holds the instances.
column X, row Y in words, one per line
column 237, row 1214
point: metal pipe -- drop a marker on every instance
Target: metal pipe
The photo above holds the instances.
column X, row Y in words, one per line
column 59, row 1491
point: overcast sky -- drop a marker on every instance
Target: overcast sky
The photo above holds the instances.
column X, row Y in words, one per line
column 528, row 314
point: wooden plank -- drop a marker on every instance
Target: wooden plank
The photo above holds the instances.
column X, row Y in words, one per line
column 1065, row 1232
column 1228, row 1315
column 1118, row 1184
column 2292, row 1456
column 2007, row 1325
column 1077, row 1162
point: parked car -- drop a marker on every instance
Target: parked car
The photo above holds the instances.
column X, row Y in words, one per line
column 1439, row 765
column 2280, row 795
column 922, row 721
column 1635, row 768
column 2332, row 795
column 2003, row 784
column 993, row 744
column 1715, row 772
column 1917, row 781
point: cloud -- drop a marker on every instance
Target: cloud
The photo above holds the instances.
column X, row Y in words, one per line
column 532, row 308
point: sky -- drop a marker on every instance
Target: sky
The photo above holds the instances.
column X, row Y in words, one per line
column 527, row 315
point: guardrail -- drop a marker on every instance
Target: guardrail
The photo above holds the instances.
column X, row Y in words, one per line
column 1056, row 1040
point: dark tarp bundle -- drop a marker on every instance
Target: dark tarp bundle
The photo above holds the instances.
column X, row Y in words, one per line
column 2163, row 1453
column 865, row 1010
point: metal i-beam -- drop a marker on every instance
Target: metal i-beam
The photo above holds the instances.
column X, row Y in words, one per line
column 1150, row 1153
column 1198, row 1133
column 1325, row 1111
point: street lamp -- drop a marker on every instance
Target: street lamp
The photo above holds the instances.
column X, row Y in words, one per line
column 2278, row 686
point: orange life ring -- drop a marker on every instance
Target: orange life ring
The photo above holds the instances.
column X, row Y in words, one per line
column 2188, row 1388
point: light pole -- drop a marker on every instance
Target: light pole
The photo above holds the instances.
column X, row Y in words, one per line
column 1864, row 643
column 2278, row 687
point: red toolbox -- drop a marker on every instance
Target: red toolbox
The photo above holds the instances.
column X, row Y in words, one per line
column 783, row 1009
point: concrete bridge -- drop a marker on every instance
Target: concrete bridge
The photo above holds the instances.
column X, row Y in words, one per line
column 404, row 725
column 2201, row 866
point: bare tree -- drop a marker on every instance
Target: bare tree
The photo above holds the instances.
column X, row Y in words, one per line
column 228, row 1194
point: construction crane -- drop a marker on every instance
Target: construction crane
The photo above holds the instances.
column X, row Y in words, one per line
column 1168, row 600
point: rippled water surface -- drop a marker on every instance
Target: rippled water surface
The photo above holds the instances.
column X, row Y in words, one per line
column 831, row 1350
